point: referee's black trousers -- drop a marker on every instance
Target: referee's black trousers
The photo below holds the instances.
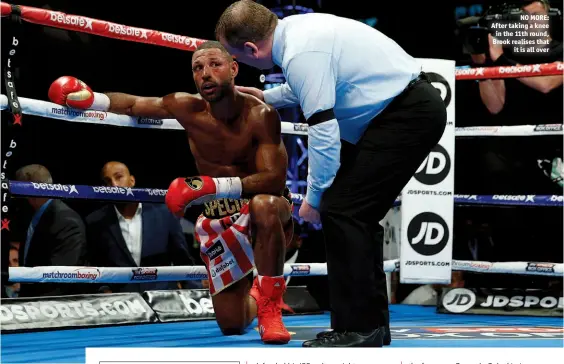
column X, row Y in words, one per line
column 372, row 174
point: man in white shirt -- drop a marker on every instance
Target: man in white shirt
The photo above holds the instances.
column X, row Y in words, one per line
column 134, row 234
column 373, row 118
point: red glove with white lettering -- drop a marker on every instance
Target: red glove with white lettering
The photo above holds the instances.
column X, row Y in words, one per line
column 72, row 92
column 186, row 192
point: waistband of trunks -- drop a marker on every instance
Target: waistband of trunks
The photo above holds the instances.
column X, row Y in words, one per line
column 223, row 207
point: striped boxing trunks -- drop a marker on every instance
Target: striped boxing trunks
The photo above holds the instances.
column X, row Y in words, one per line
column 223, row 231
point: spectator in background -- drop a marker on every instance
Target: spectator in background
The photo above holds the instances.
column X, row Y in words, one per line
column 55, row 236
column 134, row 234
column 13, row 290
column 505, row 166
column 501, row 94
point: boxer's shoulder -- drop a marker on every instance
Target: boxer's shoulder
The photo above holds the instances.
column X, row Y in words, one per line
column 184, row 101
column 259, row 110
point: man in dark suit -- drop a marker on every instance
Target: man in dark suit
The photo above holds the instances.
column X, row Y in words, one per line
column 133, row 234
column 56, row 236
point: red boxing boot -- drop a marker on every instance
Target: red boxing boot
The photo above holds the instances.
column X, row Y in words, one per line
column 255, row 293
column 269, row 307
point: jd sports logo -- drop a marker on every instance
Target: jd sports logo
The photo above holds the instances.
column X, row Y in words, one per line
column 441, row 84
column 427, row 233
column 435, row 167
column 194, row 183
column 459, row 300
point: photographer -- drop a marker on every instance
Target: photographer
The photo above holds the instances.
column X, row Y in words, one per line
column 527, row 95
column 504, row 165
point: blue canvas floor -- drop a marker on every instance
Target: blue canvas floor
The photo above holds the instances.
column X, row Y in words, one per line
column 412, row 326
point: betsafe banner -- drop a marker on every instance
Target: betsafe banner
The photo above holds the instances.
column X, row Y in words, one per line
column 196, row 304
column 181, row 305
column 488, row 301
column 22, row 314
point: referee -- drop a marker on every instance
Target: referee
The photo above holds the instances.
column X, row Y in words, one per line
column 373, row 118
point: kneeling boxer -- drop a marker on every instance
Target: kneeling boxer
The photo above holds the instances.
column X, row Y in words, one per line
column 236, row 142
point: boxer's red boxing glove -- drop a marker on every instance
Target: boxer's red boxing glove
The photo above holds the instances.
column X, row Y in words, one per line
column 186, row 192
column 72, row 92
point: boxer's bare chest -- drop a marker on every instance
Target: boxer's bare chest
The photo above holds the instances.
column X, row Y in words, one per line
column 221, row 149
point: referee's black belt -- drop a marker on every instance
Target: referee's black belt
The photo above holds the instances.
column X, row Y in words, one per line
column 422, row 77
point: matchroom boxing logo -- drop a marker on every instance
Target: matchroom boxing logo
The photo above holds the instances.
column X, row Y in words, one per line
column 428, row 233
column 435, row 168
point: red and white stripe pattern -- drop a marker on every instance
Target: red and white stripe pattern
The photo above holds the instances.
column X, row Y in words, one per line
column 230, row 236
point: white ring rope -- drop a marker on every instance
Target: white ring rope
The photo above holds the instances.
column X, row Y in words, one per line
column 53, row 111
column 66, row 274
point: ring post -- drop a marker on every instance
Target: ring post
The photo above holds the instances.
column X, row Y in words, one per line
column 427, row 204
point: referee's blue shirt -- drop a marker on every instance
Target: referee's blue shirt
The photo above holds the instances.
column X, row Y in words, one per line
column 338, row 64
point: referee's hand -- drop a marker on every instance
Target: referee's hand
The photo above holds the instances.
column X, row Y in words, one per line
column 309, row 214
column 251, row 91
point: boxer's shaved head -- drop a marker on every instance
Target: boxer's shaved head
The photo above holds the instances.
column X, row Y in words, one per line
column 212, row 44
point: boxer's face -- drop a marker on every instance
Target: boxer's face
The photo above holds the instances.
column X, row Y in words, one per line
column 214, row 73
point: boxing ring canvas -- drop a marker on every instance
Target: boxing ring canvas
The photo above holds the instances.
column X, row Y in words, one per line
column 411, row 326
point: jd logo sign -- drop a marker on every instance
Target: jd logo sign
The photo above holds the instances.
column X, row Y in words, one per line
column 441, row 84
column 459, row 300
column 428, row 233
column 435, row 167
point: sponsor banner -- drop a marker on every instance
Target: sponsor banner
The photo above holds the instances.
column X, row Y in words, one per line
column 540, row 267
column 515, row 200
column 515, row 130
column 196, row 304
column 487, row 301
column 19, row 188
column 69, row 274
column 181, row 305
column 548, row 127
column 426, row 249
column 18, row 314
column 148, row 121
column 427, row 201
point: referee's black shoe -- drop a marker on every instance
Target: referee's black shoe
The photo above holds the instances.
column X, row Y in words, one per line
column 387, row 335
column 336, row 339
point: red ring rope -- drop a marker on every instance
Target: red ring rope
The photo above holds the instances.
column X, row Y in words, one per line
column 79, row 23
column 103, row 28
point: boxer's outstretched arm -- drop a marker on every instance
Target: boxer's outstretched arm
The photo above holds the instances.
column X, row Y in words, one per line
column 149, row 107
column 271, row 157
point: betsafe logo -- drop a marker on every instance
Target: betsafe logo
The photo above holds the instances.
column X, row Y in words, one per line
column 441, row 84
column 459, row 300
column 435, row 167
column 427, row 233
